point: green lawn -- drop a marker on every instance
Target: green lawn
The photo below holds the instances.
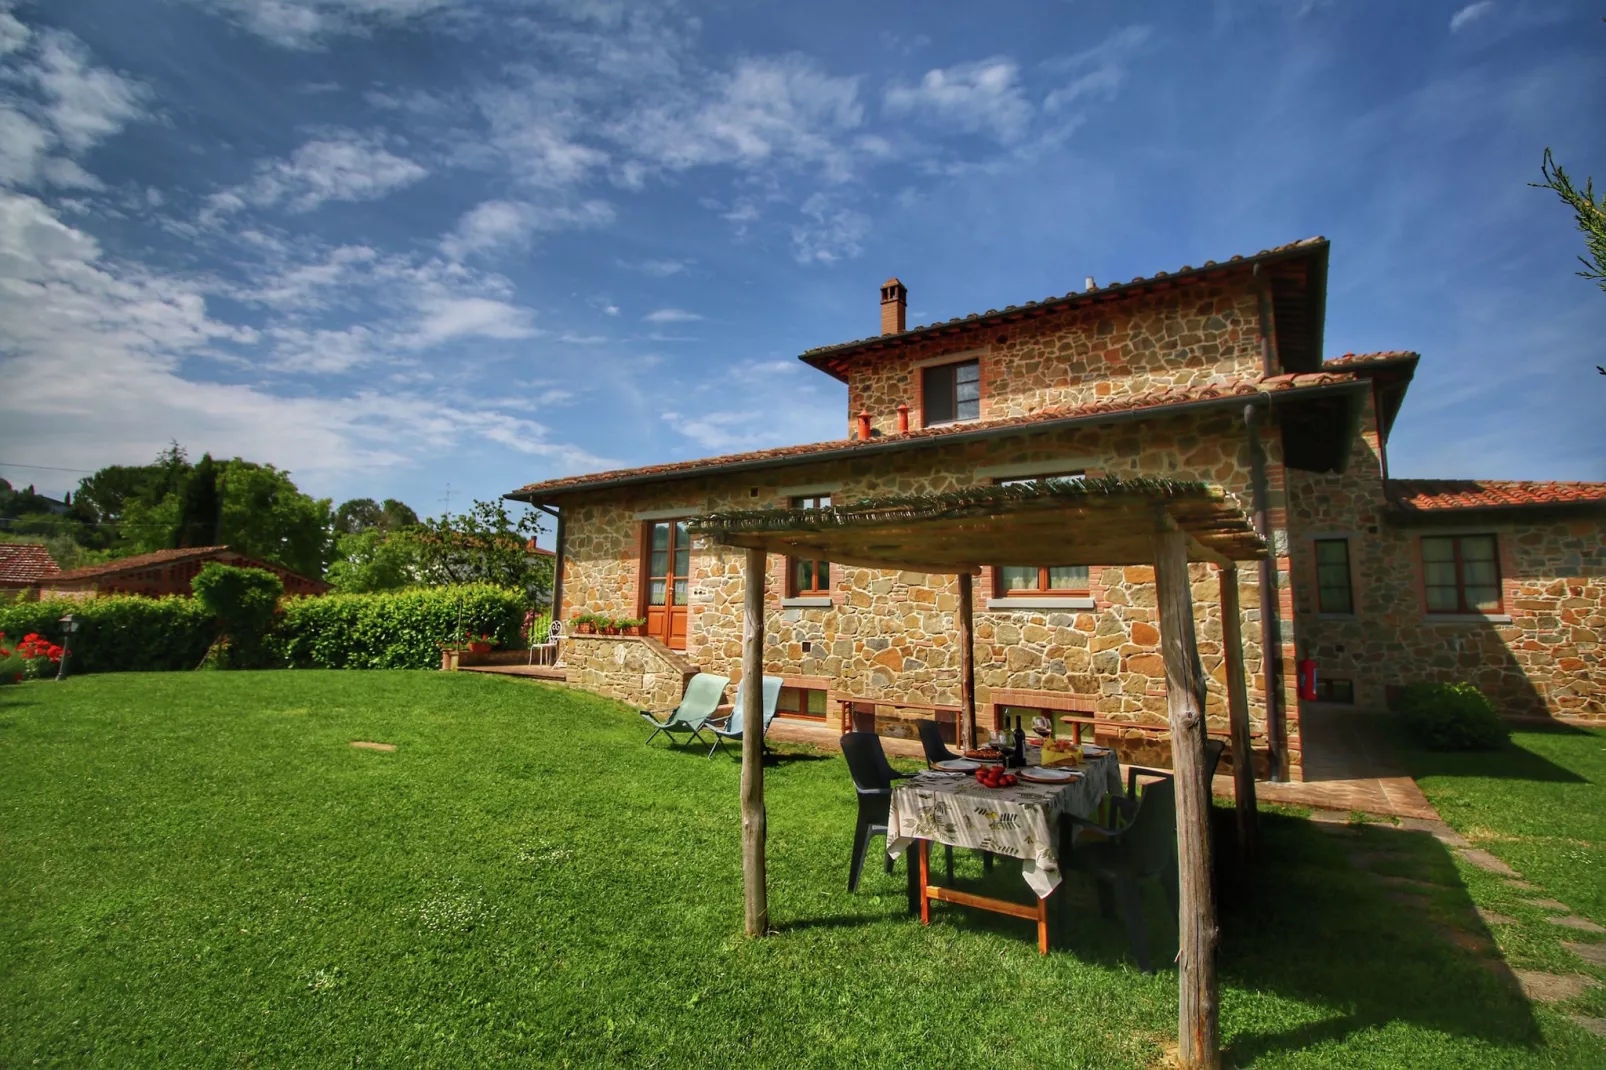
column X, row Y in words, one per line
column 1540, row 806
column 198, row 870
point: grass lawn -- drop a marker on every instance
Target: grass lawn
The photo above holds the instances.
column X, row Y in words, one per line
column 198, row 870
column 1539, row 806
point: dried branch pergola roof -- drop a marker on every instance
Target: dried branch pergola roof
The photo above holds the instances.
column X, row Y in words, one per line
column 1108, row 521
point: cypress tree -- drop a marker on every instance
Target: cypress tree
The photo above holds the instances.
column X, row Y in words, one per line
column 199, row 505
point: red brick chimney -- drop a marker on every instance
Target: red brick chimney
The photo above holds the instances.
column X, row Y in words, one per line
column 894, row 307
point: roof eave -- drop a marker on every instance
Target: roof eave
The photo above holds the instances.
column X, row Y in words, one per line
column 1407, row 514
column 893, row 444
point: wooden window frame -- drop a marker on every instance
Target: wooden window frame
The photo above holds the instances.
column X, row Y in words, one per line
column 1043, row 588
column 793, row 590
column 1462, row 607
column 1349, row 579
column 802, row 713
column 950, row 368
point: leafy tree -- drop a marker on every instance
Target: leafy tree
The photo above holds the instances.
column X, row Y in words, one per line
column 102, row 497
column 242, row 600
column 1589, row 215
column 484, row 545
column 360, row 514
column 200, row 507
column 374, row 560
column 266, row 516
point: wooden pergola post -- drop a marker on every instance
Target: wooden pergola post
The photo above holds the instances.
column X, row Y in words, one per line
column 1198, row 1025
column 1243, row 756
column 967, row 661
column 753, row 819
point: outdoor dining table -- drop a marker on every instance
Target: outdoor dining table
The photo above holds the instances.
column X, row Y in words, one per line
column 1022, row 821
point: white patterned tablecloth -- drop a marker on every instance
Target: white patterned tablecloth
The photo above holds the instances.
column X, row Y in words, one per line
column 1020, row 821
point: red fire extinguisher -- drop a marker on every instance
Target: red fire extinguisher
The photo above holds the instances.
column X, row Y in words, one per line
column 1307, row 679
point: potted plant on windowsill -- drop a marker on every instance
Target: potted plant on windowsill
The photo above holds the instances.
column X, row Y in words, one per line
column 632, row 625
column 581, row 623
column 608, row 625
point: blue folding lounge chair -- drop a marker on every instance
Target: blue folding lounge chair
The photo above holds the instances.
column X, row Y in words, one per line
column 697, row 708
column 731, row 727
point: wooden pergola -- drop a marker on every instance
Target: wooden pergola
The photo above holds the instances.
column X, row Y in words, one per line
column 1166, row 523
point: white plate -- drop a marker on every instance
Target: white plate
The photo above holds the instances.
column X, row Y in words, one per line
column 1093, row 750
column 1048, row 775
column 958, row 765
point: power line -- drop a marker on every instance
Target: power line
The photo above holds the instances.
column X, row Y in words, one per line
column 47, row 468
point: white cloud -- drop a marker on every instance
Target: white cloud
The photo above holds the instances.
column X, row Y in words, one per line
column 983, row 97
column 533, row 124
column 446, row 318
column 343, row 166
column 1469, row 14
column 829, row 232
column 95, row 366
column 661, row 269
column 1098, row 71
column 610, row 310
column 307, row 23
column 671, row 315
column 56, row 104
column 767, row 111
column 494, row 226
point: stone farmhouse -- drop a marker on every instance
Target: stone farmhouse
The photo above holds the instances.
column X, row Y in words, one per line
column 1213, row 373
column 161, row 572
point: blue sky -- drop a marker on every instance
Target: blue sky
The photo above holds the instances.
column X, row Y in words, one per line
column 395, row 244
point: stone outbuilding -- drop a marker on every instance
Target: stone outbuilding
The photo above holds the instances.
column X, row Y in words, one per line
column 1211, row 373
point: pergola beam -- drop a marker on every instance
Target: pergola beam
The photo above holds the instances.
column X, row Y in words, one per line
column 754, row 821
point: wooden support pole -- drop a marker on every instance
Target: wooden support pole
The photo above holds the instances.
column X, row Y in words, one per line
column 753, row 819
column 967, row 662
column 1243, row 758
column 1198, row 1024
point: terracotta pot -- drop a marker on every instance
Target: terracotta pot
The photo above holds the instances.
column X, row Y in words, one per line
column 479, row 648
column 448, row 661
column 634, row 629
column 583, row 628
column 610, row 631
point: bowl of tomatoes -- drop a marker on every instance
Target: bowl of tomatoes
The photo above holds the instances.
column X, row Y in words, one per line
column 995, row 776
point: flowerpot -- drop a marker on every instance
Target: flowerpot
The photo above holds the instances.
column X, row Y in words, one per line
column 610, row 631
column 633, row 630
column 448, row 661
column 479, row 648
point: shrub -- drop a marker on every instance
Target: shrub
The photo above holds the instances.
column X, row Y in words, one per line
column 119, row 633
column 1451, row 717
column 396, row 630
column 242, row 601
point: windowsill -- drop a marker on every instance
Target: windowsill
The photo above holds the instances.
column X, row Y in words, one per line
column 1467, row 618
column 811, row 602
column 1020, row 602
column 951, row 423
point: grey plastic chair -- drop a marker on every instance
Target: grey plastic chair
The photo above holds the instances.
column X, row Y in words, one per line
column 1146, row 847
column 731, row 727
column 697, row 708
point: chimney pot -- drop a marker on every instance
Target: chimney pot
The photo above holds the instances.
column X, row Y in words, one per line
column 864, row 425
column 903, row 419
column 894, row 307
column 1091, row 285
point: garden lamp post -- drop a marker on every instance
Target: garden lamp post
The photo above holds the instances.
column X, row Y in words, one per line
column 68, row 627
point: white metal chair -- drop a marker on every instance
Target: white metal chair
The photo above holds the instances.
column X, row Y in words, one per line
column 549, row 648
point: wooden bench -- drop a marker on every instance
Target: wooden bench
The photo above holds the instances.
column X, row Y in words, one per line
column 846, row 710
column 1080, row 721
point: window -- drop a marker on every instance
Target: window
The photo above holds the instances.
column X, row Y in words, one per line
column 807, row 577
column 1335, row 690
column 801, row 702
column 1461, row 574
column 1333, row 592
column 951, row 392
column 1040, row 579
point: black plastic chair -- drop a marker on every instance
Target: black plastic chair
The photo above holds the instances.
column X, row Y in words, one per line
column 931, row 739
column 1128, row 806
column 1145, row 847
column 872, row 780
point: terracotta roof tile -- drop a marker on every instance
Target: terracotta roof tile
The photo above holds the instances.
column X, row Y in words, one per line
column 23, row 563
column 1439, row 495
column 1351, row 360
column 1117, row 289
column 1157, row 399
column 137, row 562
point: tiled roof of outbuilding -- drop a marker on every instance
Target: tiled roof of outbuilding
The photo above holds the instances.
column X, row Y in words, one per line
column 1443, row 495
column 819, row 355
column 1354, row 360
column 137, row 562
column 22, row 563
column 1136, row 403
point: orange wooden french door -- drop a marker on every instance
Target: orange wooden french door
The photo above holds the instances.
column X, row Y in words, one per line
column 667, row 566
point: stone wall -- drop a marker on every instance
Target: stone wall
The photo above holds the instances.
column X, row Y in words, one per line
column 1183, row 338
column 641, row 672
column 1542, row 656
column 890, row 635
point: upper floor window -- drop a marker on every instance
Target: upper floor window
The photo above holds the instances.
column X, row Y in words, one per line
column 951, row 392
column 1461, row 573
column 1333, row 590
column 808, row 577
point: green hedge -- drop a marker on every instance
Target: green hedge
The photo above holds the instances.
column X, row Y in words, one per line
column 389, row 630
column 118, row 633
column 396, row 630
column 1451, row 717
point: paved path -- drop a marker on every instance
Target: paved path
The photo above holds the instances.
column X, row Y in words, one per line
column 1348, row 766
